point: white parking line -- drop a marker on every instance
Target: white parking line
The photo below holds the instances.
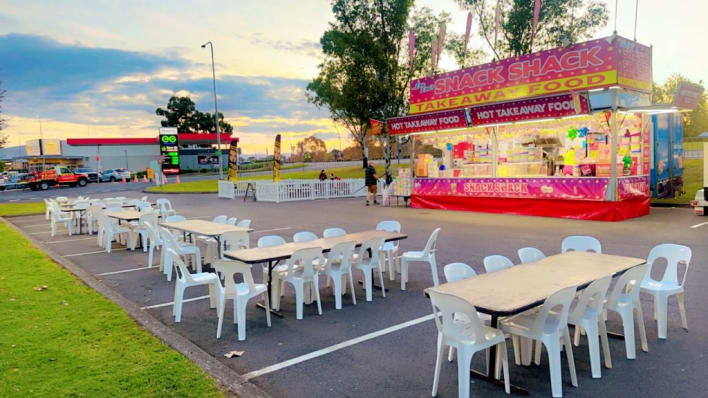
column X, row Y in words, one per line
column 172, row 302
column 40, row 233
column 96, row 252
column 699, row 225
column 123, row 271
column 35, row 225
column 69, row 240
column 336, row 347
column 271, row 230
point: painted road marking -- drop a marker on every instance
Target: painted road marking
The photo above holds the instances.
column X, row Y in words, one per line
column 68, row 240
column 699, row 225
column 125, row 270
column 96, row 252
column 336, row 347
column 271, row 230
column 35, row 225
column 172, row 302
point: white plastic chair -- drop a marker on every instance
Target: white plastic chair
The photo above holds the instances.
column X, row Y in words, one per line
column 458, row 271
column 234, row 240
column 165, row 207
column 185, row 279
column 142, row 230
column 333, row 232
column 530, row 254
column 184, row 249
column 47, row 208
column 551, row 328
column 339, row 268
column 581, row 244
column 220, row 219
column 426, row 256
column 301, row 274
column 240, row 293
column 587, row 312
column 468, row 338
column 114, row 204
column 91, row 217
column 231, row 221
column 154, row 242
column 367, row 264
column 60, row 217
column 174, row 218
column 669, row 284
column 113, row 231
column 390, row 249
column 246, row 223
column 304, row 236
column 496, row 263
column 624, row 300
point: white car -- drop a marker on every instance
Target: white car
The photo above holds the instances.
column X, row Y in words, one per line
column 699, row 203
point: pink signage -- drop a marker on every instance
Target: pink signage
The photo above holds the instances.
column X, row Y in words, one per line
column 536, row 108
column 632, row 187
column 530, row 188
column 428, row 122
column 688, row 95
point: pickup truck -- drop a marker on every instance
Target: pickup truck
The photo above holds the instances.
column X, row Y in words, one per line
column 56, row 175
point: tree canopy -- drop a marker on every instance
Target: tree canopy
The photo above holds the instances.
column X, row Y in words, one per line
column 182, row 113
column 560, row 24
column 695, row 122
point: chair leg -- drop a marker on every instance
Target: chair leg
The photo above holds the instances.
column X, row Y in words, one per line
column 505, row 366
column 537, row 353
column 316, row 288
column 337, row 284
column 438, row 363
column 640, row 326
column 381, row 280
column 212, row 296
column 275, row 294
column 391, row 266
column 628, row 326
column 569, row 356
column 594, row 349
column 177, row 305
column 267, row 305
column 220, row 312
column 368, row 275
column 554, row 363
column 605, row 343
column 515, row 345
column 463, row 373
column 662, row 314
column 451, row 354
column 241, row 314
column 576, row 335
column 151, row 252
column 299, row 299
column 682, row 310
column 404, row 273
column 351, row 285
column 434, row 270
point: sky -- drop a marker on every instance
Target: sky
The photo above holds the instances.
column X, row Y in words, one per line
column 101, row 68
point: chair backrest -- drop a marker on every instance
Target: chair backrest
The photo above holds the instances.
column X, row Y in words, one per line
column 231, row 221
column 147, row 209
column 228, row 269
column 246, row 223
column 341, row 253
column 113, row 209
column 113, row 203
column 373, row 246
column 164, row 205
column 674, row 254
column 270, row 240
column 593, row 296
column 562, row 298
column 61, row 199
column 304, row 236
column 390, row 226
column 581, row 244
column 458, row 271
column 183, row 273
column 175, row 218
column 144, row 198
column 432, row 242
column 220, row 219
column 153, row 233
column 445, row 307
column 147, row 217
column 332, row 232
column 93, row 210
column 235, row 240
column 496, row 263
column 628, row 283
column 304, row 259
column 530, row 254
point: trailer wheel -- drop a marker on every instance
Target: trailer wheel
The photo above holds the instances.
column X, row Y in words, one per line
column 43, row 185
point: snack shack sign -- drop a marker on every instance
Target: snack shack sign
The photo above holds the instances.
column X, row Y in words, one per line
column 594, row 64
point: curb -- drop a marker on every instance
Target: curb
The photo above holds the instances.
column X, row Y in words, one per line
column 176, row 193
column 226, row 377
column 682, row 205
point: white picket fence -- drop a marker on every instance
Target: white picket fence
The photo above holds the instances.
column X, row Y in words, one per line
column 291, row 190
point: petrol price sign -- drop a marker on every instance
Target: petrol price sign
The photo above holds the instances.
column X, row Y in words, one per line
column 169, row 150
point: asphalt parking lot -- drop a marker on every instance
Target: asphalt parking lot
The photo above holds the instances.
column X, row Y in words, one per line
column 387, row 347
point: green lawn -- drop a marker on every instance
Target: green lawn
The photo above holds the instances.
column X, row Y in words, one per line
column 211, row 186
column 68, row 340
column 18, row 209
column 692, row 182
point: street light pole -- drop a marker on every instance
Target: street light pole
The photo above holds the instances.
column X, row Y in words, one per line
column 216, row 109
column 41, row 143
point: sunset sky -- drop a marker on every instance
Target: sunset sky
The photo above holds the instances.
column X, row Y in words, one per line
column 100, row 68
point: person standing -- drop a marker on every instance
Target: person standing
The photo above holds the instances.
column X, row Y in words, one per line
column 370, row 181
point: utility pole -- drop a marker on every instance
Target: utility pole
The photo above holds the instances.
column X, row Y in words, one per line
column 41, row 143
column 216, row 109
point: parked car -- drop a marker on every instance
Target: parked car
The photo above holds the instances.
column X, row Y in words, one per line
column 700, row 205
column 112, row 175
column 90, row 173
column 15, row 181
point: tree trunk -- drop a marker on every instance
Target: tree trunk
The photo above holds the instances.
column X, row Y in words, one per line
column 388, row 149
column 364, row 153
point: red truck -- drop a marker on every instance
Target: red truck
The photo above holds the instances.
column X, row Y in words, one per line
column 56, row 175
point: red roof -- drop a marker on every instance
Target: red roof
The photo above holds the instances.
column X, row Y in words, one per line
column 182, row 137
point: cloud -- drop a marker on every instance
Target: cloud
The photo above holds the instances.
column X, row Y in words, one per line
column 306, row 47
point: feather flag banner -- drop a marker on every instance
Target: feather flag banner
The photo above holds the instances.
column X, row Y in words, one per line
column 433, row 52
column 441, row 44
column 411, row 48
column 468, row 30
column 536, row 13
column 497, row 21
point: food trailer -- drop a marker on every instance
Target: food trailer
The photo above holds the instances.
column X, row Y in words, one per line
column 560, row 133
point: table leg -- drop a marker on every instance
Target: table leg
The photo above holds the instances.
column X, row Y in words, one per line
column 270, row 280
column 492, row 364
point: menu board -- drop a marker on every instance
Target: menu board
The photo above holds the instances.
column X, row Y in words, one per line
column 169, row 149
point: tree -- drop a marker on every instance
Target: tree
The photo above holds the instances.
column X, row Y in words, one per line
column 182, row 113
column 695, row 122
column 365, row 74
column 312, row 149
column 3, row 137
column 560, row 24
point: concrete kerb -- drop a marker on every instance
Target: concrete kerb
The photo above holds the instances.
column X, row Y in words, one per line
column 228, row 379
column 177, row 193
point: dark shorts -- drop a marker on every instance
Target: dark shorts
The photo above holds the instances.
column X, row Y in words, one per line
column 372, row 189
